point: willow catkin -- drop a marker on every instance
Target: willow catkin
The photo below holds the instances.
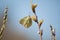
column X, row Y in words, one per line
column 4, row 23
column 33, row 8
column 53, row 32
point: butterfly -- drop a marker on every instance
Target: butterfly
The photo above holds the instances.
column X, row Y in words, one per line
column 26, row 21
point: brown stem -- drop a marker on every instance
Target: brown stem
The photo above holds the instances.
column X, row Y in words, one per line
column 54, row 38
column 40, row 37
column 51, row 37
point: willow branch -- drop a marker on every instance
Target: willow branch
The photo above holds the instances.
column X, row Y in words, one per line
column 4, row 23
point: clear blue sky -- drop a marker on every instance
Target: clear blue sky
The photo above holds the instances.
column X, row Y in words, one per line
column 49, row 10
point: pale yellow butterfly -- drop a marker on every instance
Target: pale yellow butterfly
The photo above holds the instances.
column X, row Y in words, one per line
column 26, row 21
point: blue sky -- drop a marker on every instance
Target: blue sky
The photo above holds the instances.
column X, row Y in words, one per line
column 49, row 10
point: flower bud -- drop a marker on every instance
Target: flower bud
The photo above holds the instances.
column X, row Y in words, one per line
column 33, row 18
column 40, row 23
column 33, row 7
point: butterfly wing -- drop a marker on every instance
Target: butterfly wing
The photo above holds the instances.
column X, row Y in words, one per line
column 26, row 21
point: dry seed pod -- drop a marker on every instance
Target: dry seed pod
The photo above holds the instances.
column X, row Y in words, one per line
column 53, row 32
column 33, row 7
column 40, row 23
column 40, row 32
